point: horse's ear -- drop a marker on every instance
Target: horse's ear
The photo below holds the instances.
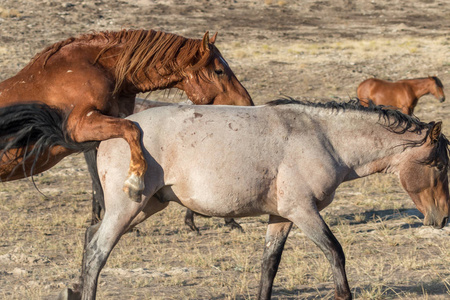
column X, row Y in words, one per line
column 213, row 39
column 435, row 132
column 205, row 42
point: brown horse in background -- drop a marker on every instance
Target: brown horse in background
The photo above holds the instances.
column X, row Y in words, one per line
column 402, row 94
column 76, row 92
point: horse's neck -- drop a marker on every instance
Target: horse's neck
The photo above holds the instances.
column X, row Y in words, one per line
column 153, row 81
column 145, row 79
column 371, row 148
column 420, row 87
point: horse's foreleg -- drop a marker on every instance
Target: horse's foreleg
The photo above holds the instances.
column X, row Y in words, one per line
column 277, row 233
column 95, row 126
column 98, row 202
column 101, row 242
column 75, row 294
column 407, row 110
column 315, row 228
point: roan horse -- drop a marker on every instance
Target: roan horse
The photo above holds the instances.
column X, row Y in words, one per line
column 204, row 158
column 402, row 94
column 85, row 85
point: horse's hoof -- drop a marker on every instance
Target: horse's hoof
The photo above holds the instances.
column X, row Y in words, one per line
column 233, row 225
column 68, row 294
column 133, row 187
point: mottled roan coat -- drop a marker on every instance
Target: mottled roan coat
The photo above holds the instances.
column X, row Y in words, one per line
column 285, row 159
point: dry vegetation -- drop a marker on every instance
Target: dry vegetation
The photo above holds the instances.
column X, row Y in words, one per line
column 311, row 50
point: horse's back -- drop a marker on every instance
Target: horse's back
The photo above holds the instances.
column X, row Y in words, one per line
column 199, row 155
column 378, row 91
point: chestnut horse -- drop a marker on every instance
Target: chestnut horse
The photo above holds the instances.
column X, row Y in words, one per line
column 203, row 157
column 77, row 91
column 402, row 94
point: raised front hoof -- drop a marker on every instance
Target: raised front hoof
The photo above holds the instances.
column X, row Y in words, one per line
column 68, row 294
column 133, row 187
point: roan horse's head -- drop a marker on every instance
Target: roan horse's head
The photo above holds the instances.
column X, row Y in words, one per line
column 423, row 175
column 214, row 83
column 437, row 89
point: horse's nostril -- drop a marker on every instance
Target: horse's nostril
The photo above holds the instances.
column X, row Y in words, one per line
column 445, row 221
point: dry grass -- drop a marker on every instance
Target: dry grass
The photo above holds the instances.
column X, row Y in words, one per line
column 390, row 255
column 350, row 50
column 8, row 13
column 351, row 60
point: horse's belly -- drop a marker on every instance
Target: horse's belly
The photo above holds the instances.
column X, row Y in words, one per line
column 214, row 203
column 223, row 197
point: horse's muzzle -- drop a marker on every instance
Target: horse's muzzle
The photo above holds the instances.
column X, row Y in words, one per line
column 442, row 99
column 435, row 222
column 437, row 225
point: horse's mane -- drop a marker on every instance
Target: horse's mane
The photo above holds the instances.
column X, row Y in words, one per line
column 394, row 120
column 438, row 82
column 143, row 50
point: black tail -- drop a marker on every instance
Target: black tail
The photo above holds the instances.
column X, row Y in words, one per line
column 35, row 127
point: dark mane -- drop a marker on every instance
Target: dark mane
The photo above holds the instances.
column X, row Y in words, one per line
column 394, row 120
column 144, row 50
column 438, row 82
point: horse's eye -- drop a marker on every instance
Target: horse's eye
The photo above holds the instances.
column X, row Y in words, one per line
column 218, row 71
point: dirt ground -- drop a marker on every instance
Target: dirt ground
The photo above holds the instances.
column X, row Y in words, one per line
column 314, row 50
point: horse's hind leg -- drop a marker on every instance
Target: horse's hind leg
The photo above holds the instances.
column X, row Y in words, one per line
column 311, row 223
column 277, row 233
column 94, row 126
column 230, row 222
column 98, row 202
column 189, row 221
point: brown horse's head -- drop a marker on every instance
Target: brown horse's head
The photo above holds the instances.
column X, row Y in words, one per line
column 213, row 82
column 424, row 176
column 149, row 60
column 437, row 89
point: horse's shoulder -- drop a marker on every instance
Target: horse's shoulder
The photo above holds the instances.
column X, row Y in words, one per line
column 405, row 85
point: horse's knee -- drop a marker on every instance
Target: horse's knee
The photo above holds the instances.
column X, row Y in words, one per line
column 90, row 231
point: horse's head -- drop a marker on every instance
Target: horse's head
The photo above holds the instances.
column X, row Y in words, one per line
column 437, row 89
column 423, row 175
column 214, row 82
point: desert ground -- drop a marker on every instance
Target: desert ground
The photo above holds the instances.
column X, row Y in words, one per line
column 311, row 50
